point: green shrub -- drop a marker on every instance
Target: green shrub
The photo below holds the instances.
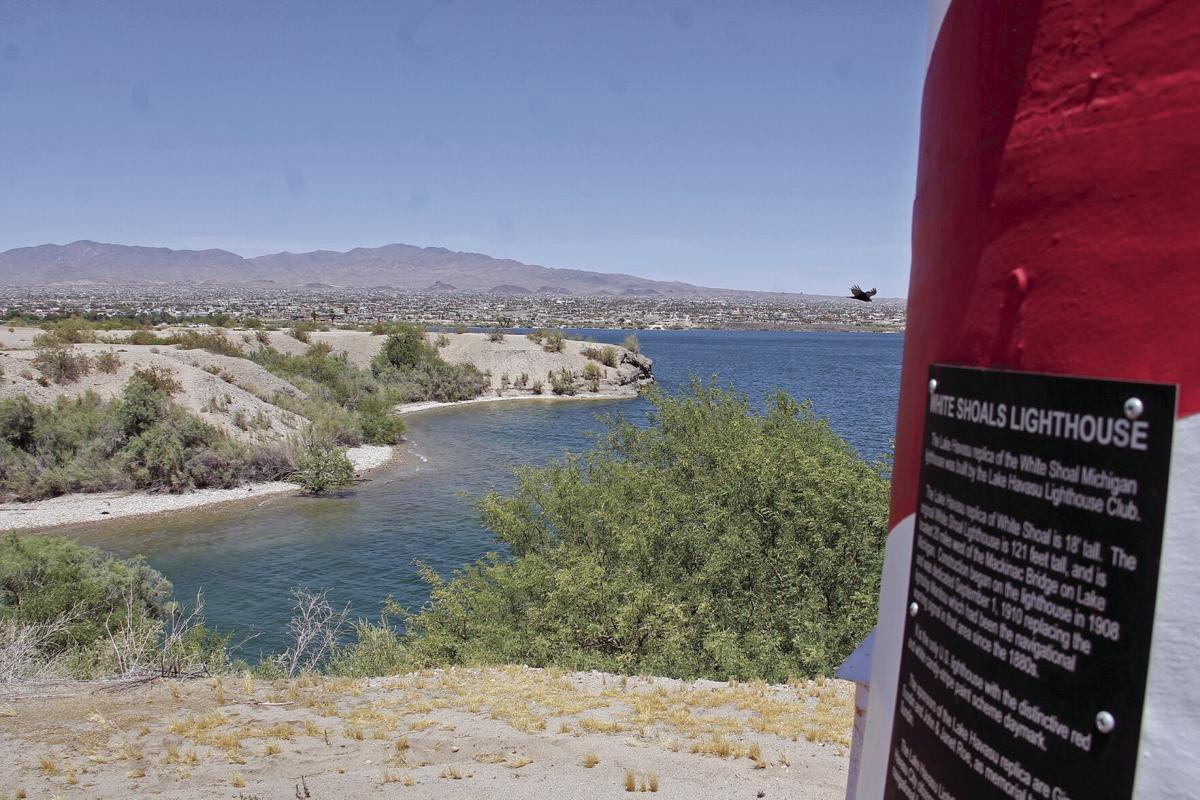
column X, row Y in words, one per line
column 322, row 466
column 718, row 542
column 553, row 341
column 379, row 422
column 143, row 337
column 632, row 344
column 405, row 348
column 43, row 578
column 108, row 362
column 562, row 382
column 159, row 378
column 72, row 611
column 212, row 341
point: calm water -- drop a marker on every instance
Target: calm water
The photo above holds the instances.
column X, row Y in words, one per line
column 363, row 547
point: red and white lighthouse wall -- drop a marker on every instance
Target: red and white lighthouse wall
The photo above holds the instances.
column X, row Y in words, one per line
column 1056, row 228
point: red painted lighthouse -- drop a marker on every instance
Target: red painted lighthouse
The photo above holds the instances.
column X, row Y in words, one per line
column 1056, row 230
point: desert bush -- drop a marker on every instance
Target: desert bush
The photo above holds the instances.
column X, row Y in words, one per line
column 437, row 380
column 263, row 337
column 718, row 542
column 592, row 373
column 379, row 422
column 321, row 466
column 608, row 356
column 139, row 440
column 495, row 335
column 159, row 378
column 108, row 362
column 61, row 364
column 377, row 648
column 441, row 341
column 536, row 336
column 405, row 348
column 632, row 344
column 300, row 332
column 562, row 382
column 252, row 323
column 144, row 337
column 553, row 341
column 522, row 380
column 44, row 579
column 212, row 341
column 537, row 387
column 66, row 332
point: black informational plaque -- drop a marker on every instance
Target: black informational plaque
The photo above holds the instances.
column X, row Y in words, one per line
column 1035, row 565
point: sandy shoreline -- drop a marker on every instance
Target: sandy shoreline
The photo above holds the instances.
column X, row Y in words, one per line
column 431, row 405
column 77, row 508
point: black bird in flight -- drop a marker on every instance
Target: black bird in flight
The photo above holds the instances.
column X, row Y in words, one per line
column 856, row 293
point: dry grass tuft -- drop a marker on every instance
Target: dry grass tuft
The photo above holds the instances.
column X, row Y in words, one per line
column 238, row 781
column 394, row 777
column 273, row 749
column 490, row 758
column 630, row 781
column 354, row 732
column 590, row 759
column 716, row 745
column 48, row 764
column 593, row 725
column 452, row 773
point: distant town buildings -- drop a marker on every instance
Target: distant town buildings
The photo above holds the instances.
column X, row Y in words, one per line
column 354, row 306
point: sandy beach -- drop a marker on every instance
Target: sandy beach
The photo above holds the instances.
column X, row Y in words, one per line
column 507, row 732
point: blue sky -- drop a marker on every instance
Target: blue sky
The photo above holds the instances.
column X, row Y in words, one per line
column 757, row 145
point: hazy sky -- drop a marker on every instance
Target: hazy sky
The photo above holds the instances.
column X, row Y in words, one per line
column 759, row 145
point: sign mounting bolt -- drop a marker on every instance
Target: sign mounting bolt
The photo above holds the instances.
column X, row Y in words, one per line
column 913, row 608
column 933, row 388
column 1134, row 408
column 1105, row 722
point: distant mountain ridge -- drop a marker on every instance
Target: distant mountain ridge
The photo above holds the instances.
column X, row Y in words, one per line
column 398, row 266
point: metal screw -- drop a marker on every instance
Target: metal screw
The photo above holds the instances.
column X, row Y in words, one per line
column 933, row 386
column 913, row 608
column 1105, row 722
column 1134, row 408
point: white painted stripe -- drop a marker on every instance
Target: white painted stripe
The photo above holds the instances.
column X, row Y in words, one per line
column 1169, row 756
column 937, row 13
column 885, row 659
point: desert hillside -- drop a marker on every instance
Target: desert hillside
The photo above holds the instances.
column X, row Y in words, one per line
column 242, row 398
column 509, row 732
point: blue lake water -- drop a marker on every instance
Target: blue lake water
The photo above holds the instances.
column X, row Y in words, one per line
column 363, row 547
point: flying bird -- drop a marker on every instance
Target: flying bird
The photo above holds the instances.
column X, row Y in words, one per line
column 856, row 293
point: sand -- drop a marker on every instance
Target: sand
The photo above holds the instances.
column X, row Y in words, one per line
column 509, row 732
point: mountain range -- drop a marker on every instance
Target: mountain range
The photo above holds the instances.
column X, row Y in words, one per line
column 398, row 266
